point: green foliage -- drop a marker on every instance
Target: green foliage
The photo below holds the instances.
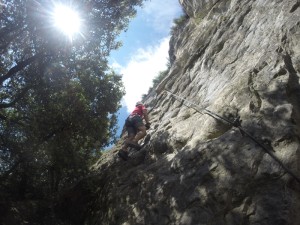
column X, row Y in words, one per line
column 58, row 99
column 179, row 23
column 161, row 75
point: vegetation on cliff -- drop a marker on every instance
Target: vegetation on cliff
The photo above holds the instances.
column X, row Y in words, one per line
column 58, row 98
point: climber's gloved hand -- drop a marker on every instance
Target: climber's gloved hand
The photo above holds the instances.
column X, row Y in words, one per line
column 147, row 125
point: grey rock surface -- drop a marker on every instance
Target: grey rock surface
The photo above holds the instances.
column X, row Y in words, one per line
column 235, row 58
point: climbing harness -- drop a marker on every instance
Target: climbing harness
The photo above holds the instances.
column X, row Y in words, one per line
column 236, row 123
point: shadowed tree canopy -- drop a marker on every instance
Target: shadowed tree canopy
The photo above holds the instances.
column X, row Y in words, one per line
column 58, row 97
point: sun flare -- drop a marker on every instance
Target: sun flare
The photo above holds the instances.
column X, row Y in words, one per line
column 67, row 20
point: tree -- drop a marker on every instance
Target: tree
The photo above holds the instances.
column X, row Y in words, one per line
column 58, row 98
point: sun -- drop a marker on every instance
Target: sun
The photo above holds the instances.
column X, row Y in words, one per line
column 67, row 20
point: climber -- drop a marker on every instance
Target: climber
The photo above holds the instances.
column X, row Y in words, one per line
column 135, row 128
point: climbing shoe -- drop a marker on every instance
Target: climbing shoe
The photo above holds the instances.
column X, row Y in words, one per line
column 133, row 145
column 123, row 155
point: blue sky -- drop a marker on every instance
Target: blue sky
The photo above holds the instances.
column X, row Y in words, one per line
column 145, row 50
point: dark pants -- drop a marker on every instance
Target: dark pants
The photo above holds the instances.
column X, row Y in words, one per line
column 132, row 124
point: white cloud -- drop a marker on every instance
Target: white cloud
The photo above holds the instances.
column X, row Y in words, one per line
column 143, row 66
column 145, row 63
column 160, row 13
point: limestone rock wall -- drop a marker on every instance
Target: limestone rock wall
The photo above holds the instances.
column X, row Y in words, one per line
column 235, row 58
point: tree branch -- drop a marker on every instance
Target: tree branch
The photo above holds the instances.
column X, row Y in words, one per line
column 21, row 65
column 18, row 97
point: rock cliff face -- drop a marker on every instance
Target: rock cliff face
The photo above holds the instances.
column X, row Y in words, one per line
column 235, row 58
